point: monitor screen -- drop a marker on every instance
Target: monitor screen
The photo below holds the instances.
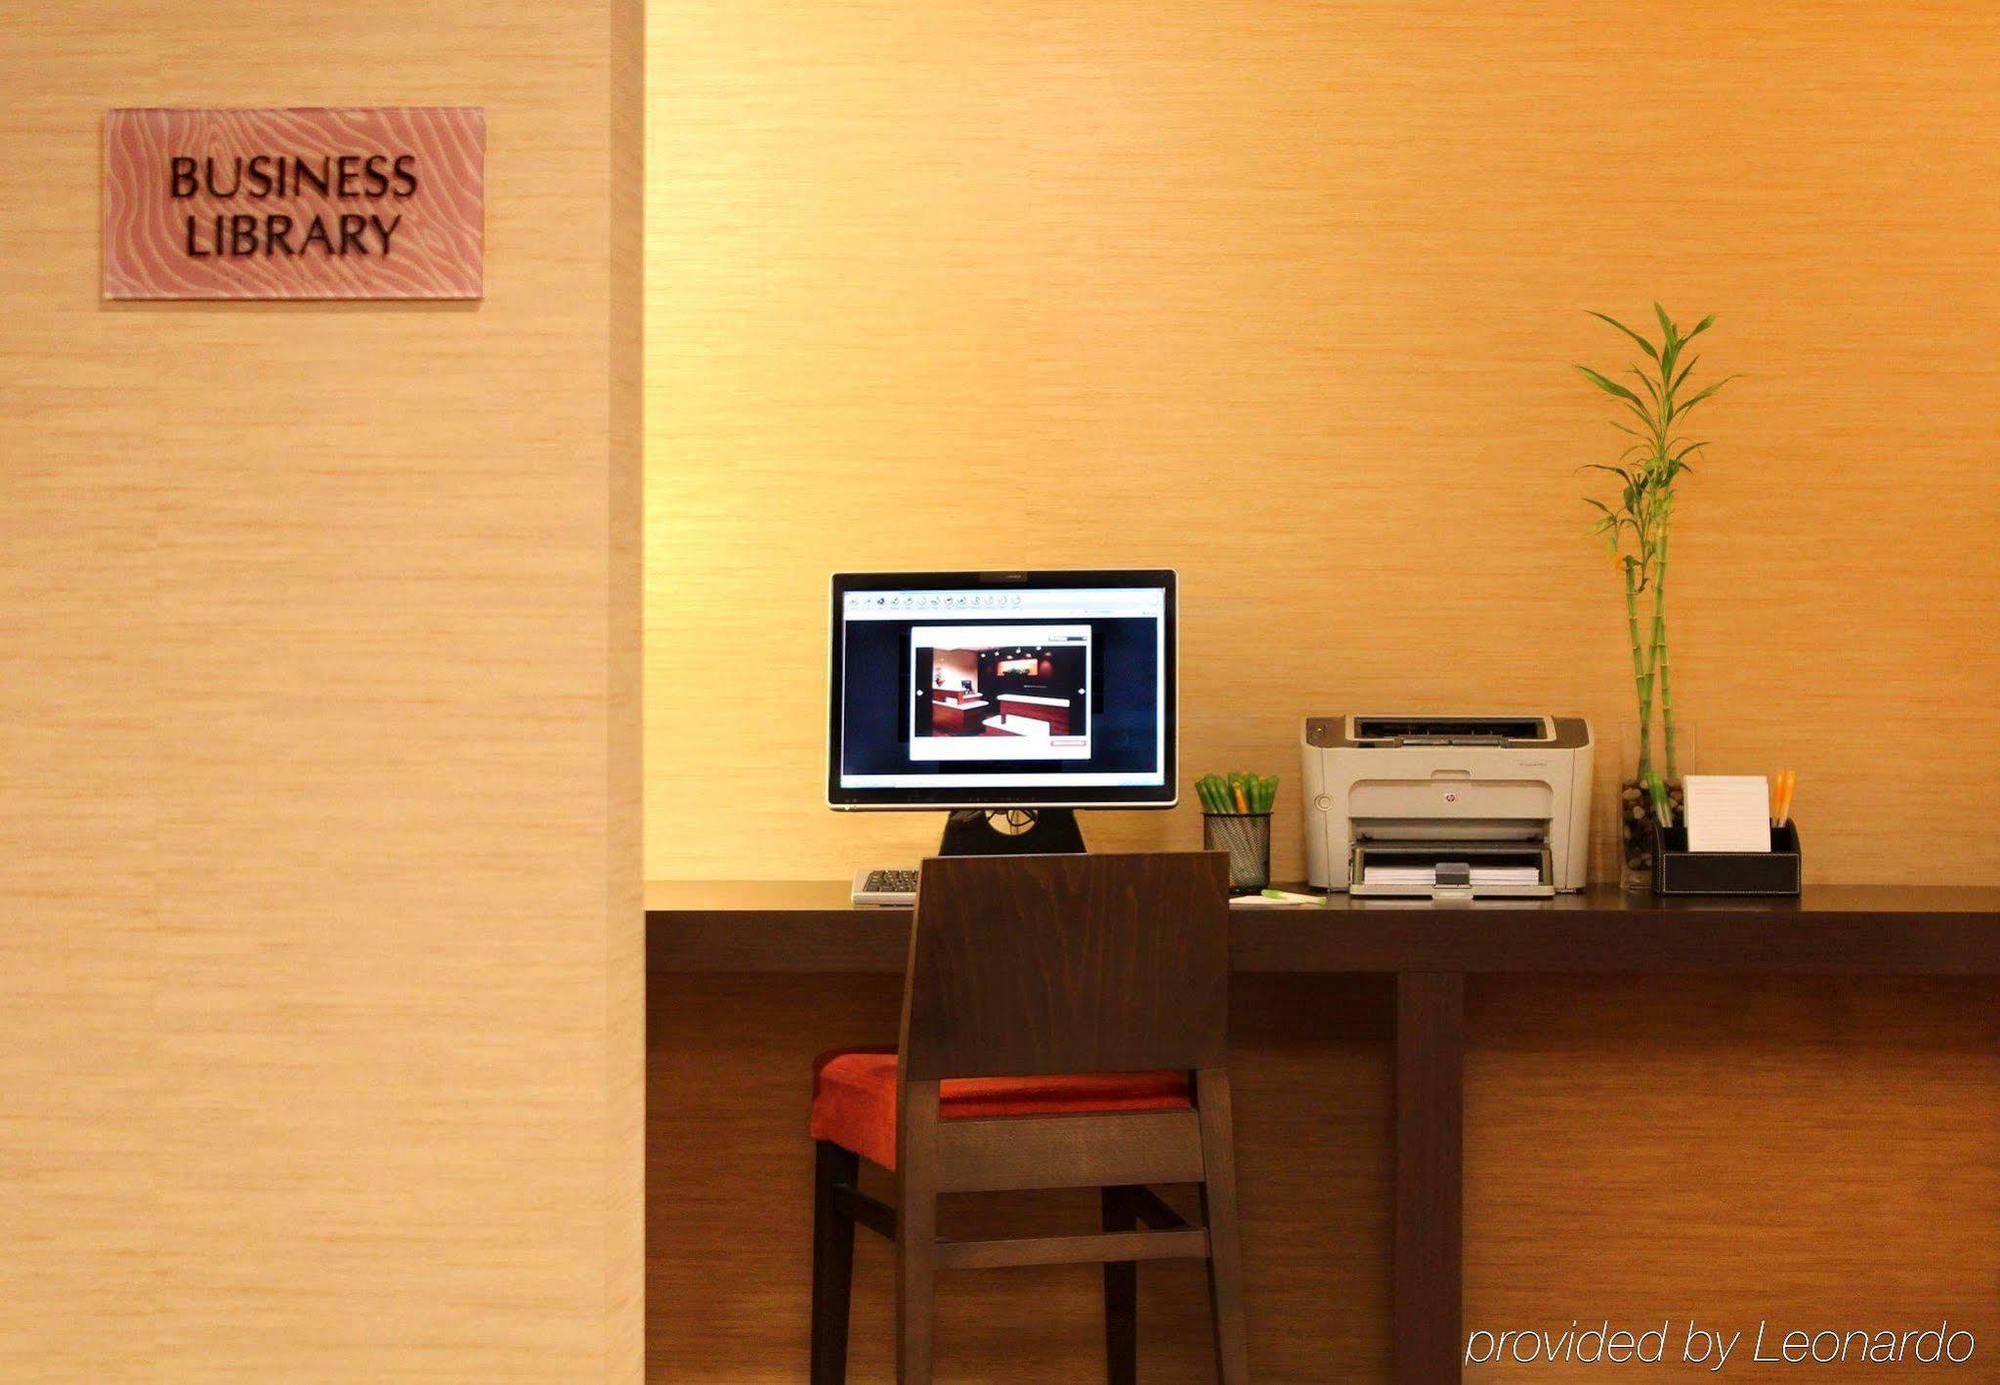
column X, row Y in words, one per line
column 1028, row 689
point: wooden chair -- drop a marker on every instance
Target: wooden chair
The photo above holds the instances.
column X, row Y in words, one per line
column 1064, row 1026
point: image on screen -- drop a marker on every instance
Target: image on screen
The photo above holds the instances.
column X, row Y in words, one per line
column 1000, row 692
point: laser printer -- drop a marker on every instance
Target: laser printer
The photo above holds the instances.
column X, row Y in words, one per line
column 1447, row 807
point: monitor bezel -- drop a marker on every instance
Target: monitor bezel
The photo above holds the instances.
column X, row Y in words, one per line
column 1134, row 796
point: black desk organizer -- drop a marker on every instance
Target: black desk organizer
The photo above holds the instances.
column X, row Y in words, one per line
column 1776, row 872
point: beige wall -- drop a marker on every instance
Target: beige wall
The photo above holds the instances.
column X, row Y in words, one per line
column 1283, row 295
column 319, row 1034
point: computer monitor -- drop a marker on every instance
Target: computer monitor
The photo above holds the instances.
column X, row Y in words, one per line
column 989, row 690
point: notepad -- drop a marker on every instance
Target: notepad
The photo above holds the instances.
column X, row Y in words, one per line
column 1728, row 812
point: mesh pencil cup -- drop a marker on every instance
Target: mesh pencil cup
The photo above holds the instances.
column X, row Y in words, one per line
column 1247, row 839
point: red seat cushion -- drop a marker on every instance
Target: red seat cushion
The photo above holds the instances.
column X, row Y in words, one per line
column 854, row 1099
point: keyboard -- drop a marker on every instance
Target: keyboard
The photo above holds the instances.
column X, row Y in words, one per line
column 889, row 887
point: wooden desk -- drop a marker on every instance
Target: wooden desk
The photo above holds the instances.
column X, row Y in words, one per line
column 1847, row 930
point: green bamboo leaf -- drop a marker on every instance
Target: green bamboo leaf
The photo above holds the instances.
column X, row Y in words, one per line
column 1681, row 378
column 1617, row 471
column 1706, row 393
column 1611, row 387
column 1700, row 327
column 1644, row 345
column 1645, row 416
column 1666, row 323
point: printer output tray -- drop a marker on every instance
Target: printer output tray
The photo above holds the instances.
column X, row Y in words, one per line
column 1451, row 869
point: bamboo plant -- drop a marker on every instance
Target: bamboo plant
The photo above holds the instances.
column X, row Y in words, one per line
column 1637, row 523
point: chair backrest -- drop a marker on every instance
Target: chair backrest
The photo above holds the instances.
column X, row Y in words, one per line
column 1034, row 965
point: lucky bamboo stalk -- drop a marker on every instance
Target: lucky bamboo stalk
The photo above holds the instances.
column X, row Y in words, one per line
column 1662, row 666
column 1637, row 526
column 1640, row 681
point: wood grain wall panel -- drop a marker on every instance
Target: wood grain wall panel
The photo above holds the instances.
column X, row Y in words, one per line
column 1285, row 295
column 320, row 1032
column 624, row 952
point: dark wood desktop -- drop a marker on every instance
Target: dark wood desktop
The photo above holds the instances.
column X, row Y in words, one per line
column 1833, row 930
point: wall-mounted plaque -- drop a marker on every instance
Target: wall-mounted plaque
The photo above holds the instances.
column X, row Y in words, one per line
column 362, row 202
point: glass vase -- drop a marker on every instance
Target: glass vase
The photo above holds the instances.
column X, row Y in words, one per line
column 1635, row 808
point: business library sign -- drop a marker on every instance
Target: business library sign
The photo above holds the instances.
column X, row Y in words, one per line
column 348, row 202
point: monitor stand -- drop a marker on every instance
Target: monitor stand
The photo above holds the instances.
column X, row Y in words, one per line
column 1017, row 832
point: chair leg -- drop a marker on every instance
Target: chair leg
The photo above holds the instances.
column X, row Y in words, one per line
column 833, row 1263
column 1121, row 1297
column 916, row 1230
column 1218, row 1210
